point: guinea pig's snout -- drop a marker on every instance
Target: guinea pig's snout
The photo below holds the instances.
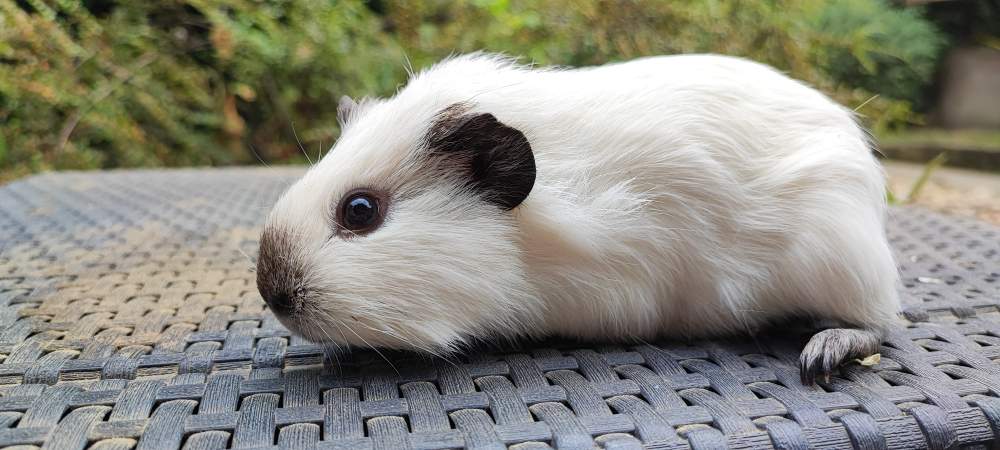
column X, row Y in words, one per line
column 283, row 302
column 279, row 274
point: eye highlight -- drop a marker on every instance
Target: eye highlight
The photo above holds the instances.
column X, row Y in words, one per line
column 361, row 211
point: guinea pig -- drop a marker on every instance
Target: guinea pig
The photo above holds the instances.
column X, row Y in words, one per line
column 676, row 196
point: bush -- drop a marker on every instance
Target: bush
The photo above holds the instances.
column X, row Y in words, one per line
column 127, row 84
column 852, row 50
column 868, row 45
column 100, row 83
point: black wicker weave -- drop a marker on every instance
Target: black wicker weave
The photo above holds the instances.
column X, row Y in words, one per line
column 129, row 318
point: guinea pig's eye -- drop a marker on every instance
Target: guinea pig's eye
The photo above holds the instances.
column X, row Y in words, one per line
column 360, row 211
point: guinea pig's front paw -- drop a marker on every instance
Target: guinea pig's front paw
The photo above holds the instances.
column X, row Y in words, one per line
column 830, row 348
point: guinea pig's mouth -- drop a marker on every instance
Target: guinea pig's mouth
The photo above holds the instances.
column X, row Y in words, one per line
column 322, row 327
column 297, row 324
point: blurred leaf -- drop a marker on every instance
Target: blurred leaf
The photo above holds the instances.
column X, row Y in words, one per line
column 925, row 176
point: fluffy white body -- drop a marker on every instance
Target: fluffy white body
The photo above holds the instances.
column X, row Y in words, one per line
column 675, row 196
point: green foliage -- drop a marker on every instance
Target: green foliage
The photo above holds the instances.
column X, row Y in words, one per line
column 869, row 45
column 101, row 83
column 181, row 82
column 801, row 37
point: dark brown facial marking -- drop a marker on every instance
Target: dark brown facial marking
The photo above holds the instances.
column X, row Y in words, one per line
column 498, row 158
column 279, row 272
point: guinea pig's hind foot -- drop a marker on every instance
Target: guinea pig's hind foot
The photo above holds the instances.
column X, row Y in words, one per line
column 830, row 348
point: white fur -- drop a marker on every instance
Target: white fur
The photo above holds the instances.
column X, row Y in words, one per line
column 675, row 196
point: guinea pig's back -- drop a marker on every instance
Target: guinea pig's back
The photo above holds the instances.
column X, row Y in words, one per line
column 709, row 120
column 750, row 107
column 766, row 187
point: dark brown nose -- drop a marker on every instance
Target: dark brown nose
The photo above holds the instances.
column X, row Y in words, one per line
column 280, row 302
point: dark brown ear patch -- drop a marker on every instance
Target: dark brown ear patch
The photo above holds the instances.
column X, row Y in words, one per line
column 498, row 158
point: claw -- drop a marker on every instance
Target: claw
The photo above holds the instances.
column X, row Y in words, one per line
column 830, row 348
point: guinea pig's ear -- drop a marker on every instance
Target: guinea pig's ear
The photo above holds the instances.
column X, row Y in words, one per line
column 345, row 108
column 498, row 158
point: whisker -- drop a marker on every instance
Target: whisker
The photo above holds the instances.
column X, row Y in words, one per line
column 253, row 265
column 336, row 359
column 326, row 344
column 407, row 65
column 369, row 345
column 297, row 141
column 412, row 342
column 862, row 105
column 254, row 151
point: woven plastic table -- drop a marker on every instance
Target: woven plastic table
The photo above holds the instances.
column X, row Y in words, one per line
column 129, row 318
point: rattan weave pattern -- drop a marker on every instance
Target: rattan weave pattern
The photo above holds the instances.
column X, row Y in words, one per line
column 129, row 319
